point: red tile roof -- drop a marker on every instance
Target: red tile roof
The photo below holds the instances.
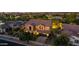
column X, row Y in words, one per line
column 74, row 29
column 39, row 21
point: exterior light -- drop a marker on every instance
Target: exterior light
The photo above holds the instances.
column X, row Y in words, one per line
column 26, row 31
column 36, row 33
column 47, row 34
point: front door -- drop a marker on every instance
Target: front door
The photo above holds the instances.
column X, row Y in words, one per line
column 30, row 28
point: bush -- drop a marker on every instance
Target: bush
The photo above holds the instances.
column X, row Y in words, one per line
column 62, row 40
column 26, row 36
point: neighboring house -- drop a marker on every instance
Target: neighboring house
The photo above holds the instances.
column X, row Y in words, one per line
column 74, row 40
column 73, row 32
column 9, row 24
column 37, row 26
column 17, row 24
column 13, row 24
column 71, row 29
column 2, row 29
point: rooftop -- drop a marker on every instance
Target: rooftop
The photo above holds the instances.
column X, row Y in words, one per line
column 73, row 29
column 39, row 21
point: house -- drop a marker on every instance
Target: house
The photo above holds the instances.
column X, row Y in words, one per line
column 17, row 24
column 2, row 29
column 71, row 29
column 73, row 32
column 13, row 25
column 74, row 40
column 37, row 26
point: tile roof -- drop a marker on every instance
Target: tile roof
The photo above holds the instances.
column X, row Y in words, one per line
column 74, row 29
column 13, row 24
column 39, row 21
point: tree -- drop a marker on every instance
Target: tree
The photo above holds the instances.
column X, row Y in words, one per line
column 49, row 16
column 26, row 36
column 70, row 18
column 62, row 40
column 53, row 35
column 77, row 21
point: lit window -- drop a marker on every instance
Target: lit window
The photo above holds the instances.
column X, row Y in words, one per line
column 54, row 26
column 40, row 27
column 61, row 25
column 47, row 28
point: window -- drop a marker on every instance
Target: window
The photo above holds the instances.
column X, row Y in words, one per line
column 40, row 27
column 30, row 28
column 47, row 28
column 76, row 41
